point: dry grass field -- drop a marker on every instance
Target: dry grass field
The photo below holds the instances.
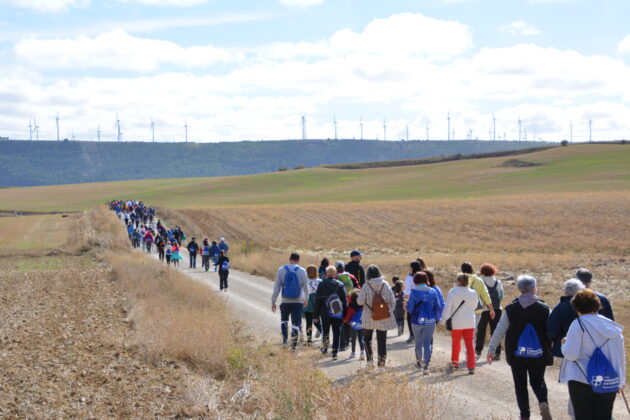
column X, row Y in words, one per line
column 31, row 233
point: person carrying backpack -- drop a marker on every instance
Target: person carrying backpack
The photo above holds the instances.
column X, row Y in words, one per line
column 478, row 285
column 160, row 244
column 399, row 311
column 205, row 254
column 148, row 240
column 414, row 267
column 355, row 268
column 353, row 320
column 331, row 304
column 527, row 349
column 595, row 361
column 309, row 310
column 425, row 310
column 193, row 248
column 349, row 283
column 223, row 262
column 292, row 283
column 214, row 254
column 495, row 291
column 378, row 303
column 168, row 253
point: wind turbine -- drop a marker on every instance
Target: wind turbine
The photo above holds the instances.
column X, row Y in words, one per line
column 407, row 130
column 98, row 133
column 494, row 128
column 335, row 124
column 303, row 124
column 520, row 124
column 427, row 128
column 361, row 125
column 448, row 118
column 117, row 126
column 152, row 130
column 186, row 129
column 384, row 129
column 30, row 128
column 590, row 130
column 36, row 129
column 57, row 121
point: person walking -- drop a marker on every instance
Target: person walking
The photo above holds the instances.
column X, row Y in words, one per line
column 495, row 291
column 349, row 283
column 355, row 268
column 378, row 303
column 205, row 254
column 353, row 319
column 223, row 246
column 590, row 337
column 292, row 283
column 586, row 277
column 399, row 311
column 559, row 321
column 331, row 304
column 193, row 248
column 223, row 262
column 424, row 307
column 460, row 311
column 215, row 252
column 160, row 244
column 323, row 265
column 440, row 295
column 479, row 286
column 148, row 241
column 414, row 267
column 176, row 254
column 168, row 253
column 310, row 316
column 527, row 349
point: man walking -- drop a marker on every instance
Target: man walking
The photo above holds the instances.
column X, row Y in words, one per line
column 223, row 246
column 355, row 268
column 193, row 248
column 292, row 282
column 586, row 277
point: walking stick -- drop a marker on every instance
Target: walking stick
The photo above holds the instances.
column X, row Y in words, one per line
column 623, row 394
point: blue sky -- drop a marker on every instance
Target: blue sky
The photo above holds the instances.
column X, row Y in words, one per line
column 247, row 70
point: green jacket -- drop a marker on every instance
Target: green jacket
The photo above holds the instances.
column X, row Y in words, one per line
column 479, row 286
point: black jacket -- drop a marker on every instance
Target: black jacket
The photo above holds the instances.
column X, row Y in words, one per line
column 194, row 246
column 357, row 270
column 537, row 315
column 220, row 263
column 325, row 289
column 559, row 322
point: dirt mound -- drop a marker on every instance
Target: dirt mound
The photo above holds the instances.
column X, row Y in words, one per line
column 517, row 163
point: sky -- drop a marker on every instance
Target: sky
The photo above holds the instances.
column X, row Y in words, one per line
column 248, row 70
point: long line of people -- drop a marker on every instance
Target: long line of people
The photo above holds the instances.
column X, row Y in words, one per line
column 354, row 305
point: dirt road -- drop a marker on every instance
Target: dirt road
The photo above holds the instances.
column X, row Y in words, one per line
column 487, row 394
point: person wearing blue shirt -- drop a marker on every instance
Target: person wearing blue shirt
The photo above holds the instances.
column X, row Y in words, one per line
column 223, row 246
column 424, row 308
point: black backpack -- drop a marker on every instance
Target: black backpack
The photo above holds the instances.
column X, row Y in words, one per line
column 493, row 291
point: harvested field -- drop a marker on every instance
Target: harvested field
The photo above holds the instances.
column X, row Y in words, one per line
column 23, row 233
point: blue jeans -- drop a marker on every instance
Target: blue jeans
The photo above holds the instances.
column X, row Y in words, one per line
column 423, row 335
column 293, row 310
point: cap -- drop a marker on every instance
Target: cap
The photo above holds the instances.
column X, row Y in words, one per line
column 355, row 253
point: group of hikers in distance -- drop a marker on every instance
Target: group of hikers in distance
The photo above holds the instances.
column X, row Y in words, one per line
column 354, row 305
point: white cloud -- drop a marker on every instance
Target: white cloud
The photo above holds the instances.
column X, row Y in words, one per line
column 519, row 28
column 300, row 3
column 624, row 46
column 117, row 50
column 46, row 6
column 179, row 3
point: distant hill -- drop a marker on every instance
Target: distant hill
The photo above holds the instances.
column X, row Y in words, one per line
column 31, row 163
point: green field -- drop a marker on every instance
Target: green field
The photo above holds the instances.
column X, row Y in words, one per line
column 579, row 168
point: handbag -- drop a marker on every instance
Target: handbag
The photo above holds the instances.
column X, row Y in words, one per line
column 449, row 323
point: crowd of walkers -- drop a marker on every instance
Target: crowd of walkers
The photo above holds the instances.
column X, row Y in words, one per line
column 356, row 305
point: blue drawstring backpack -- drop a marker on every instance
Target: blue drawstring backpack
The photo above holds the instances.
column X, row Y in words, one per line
column 291, row 288
column 528, row 345
column 600, row 373
column 356, row 321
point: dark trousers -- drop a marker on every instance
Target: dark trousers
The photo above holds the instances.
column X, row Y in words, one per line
column 193, row 260
column 535, row 369
column 356, row 335
column 149, row 244
column 409, row 315
column 589, row 405
column 381, row 345
column 161, row 254
column 328, row 324
column 482, row 327
column 346, row 334
column 310, row 317
column 293, row 311
column 205, row 262
column 223, row 276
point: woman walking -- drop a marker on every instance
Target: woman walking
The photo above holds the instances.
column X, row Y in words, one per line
column 323, row 265
column 205, row 254
column 331, row 304
column 353, row 319
column 168, row 253
column 309, row 312
column 425, row 310
column 399, row 310
column 461, row 303
column 378, row 303
column 592, row 399
column 495, row 291
column 223, row 262
column 176, row 255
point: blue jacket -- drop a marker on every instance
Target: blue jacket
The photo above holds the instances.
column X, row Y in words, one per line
column 214, row 251
column 606, row 309
column 424, row 306
column 440, row 300
column 223, row 246
column 558, row 324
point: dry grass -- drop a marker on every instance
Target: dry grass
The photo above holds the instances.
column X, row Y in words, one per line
column 32, row 233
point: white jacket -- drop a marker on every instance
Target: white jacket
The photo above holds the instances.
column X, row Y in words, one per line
column 579, row 347
column 465, row 317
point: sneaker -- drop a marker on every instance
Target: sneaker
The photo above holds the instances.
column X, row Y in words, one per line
column 418, row 364
column 453, row 366
column 324, row 350
column 318, row 334
column 362, row 355
column 353, row 355
column 410, row 340
column 497, row 358
column 425, row 370
column 284, row 343
column 471, row 371
column 545, row 413
column 334, row 356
